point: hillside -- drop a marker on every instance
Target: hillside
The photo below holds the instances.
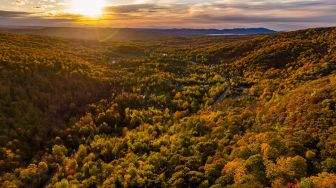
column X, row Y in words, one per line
column 127, row 34
column 211, row 111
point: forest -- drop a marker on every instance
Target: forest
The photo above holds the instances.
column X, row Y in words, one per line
column 204, row 111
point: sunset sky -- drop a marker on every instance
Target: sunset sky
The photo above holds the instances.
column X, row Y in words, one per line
column 274, row 14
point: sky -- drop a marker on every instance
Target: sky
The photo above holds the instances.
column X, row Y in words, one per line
column 274, row 14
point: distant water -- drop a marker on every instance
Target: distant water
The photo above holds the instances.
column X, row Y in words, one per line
column 224, row 34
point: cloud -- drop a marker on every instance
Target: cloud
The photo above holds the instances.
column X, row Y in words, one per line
column 147, row 8
column 260, row 19
column 134, row 8
column 231, row 12
column 13, row 14
column 20, row 18
column 263, row 5
column 20, row 2
column 277, row 14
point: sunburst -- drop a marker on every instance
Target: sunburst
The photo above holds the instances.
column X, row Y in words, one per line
column 89, row 8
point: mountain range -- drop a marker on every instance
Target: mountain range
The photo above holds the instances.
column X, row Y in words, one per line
column 113, row 34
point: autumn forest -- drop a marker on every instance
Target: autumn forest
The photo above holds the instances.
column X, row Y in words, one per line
column 205, row 111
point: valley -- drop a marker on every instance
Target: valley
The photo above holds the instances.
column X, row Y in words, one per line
column 200, row 111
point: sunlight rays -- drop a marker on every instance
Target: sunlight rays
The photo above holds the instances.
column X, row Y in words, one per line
column 88, row 8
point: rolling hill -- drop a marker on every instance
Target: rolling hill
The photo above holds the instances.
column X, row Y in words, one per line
column 203, row 111
column 126, row 34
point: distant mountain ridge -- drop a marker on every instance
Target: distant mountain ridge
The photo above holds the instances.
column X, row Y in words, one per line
column 114, row 34
column 235, row 31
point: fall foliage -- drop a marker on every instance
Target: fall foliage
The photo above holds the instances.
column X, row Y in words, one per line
column 146, row 113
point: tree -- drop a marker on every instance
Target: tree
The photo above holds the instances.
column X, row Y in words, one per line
column 59, row 152
column 329, row 165
column 307, row 183
column 287, row 169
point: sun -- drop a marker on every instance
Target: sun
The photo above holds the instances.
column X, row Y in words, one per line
column 89, row 8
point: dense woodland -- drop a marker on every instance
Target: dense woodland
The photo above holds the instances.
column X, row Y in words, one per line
column 215, row 111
